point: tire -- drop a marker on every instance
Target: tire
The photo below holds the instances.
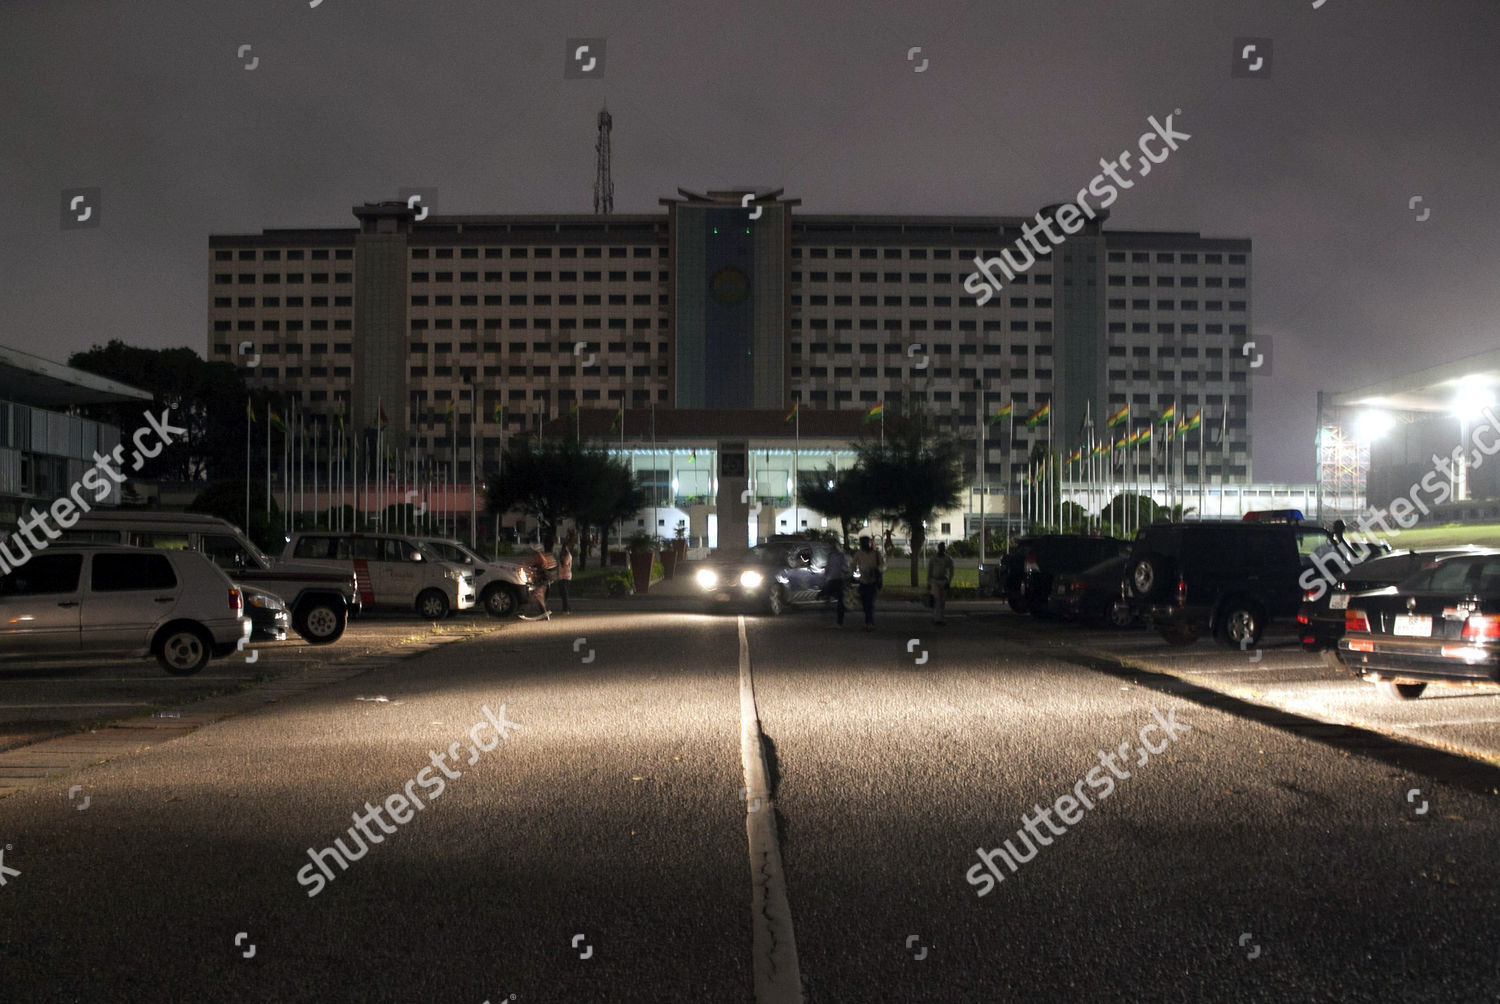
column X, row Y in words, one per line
column 501, row 601
column 1015, row 604
column 182, row 649
column 1119, row 616
column 1179, row 637
column 1239, row 624
column 432, row 605
column 1399, row 691
column 774, row 601
column 1148, row 576
column 319, row 622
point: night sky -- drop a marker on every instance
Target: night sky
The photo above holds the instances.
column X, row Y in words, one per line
column 1368, row 104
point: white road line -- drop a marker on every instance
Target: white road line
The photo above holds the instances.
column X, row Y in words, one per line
column 774, row 944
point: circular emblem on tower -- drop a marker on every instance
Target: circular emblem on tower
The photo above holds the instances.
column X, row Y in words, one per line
column 729, row 286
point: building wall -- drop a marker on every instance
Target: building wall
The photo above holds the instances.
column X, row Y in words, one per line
column 874, row 310
column 44, row 453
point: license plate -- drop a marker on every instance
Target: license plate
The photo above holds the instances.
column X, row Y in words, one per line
column 1338, row 601
column 1408, row 624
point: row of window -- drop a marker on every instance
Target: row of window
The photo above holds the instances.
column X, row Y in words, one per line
column 276, row 301
column 940, row 373
column 274, row 278
column 641, row 275
column 969, row 254
column 541, row 300
column 292, row 254
column 1168, row 328
column 291, row 348
column 535, row 348
column 541, row 323
column 546, row 371
column 937, row 349
column 316, row 324
column 538, row 252
column 1185, row 376
column 295, row 372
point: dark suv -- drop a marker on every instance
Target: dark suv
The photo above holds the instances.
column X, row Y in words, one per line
column 1228, row 579
column 1026, row 571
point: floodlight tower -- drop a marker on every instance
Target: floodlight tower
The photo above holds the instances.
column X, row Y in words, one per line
column 604, row 186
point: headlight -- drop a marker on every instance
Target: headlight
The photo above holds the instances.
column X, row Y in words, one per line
column 266, row 602
column 707, row 578
column 751, row 579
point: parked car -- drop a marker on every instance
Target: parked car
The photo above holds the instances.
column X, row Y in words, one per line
column 1221, row 577
column 1092, row 595
column 1322, row 613
column 125, row 601
column 269, row 618
column 1440, row 625
column 501, row 584
column 771, row 576
column 394, row 570
column 1025, row 573
column 320, row 600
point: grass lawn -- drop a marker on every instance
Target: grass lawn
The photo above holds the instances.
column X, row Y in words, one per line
column 1483, row 534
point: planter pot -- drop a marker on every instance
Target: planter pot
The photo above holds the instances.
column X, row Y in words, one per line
column 668, row 563
column 640, row 570
column 679, row 548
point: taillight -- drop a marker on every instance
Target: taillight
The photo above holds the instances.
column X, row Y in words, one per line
column 1302, row 618
column 1481, row 627
column 236, row 602
column 1181, row 592
column 1310, row 595
column 1355, row 620
column 1029, row 563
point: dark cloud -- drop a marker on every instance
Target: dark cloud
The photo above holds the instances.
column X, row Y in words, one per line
column 1367, row 106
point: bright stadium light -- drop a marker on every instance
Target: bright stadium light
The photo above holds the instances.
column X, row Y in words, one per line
column 1371, row 425
column 1471, row 400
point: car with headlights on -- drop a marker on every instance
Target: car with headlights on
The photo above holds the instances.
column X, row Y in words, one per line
column 779, row 573
column 1439, row 626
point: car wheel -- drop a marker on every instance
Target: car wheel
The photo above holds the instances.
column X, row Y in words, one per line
column 774, row 602
column 1015, row 604
column 501, row 601
column 1119, row 616
column 432, row 605
column 1179, row 636
column 1399, row 691
column 182, row 649
column 320, row 623
column 1239, row 624
column 1148, row 576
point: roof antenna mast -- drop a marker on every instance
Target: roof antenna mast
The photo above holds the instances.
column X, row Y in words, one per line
column 604, row 186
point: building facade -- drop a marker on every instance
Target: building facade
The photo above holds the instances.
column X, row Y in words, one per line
column 724, row 302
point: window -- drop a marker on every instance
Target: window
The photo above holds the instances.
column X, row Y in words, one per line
column 121, row 572
column 44, row 573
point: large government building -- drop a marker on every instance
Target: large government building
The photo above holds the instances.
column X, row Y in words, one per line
column 736, row 301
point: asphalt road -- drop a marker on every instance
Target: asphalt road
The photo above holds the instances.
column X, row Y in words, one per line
column 599, row 852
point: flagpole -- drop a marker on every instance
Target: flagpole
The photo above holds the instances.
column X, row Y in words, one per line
column 315, row 472
column 796, row 458
column 249, row 420
column 1200, row 466
column 473, row 468
column 980, row 465
column 268, row 466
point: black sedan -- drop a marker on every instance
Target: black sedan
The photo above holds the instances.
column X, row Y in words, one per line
column 269, row 617
column 1026, row 571
column 1321, row 619
column 1092, row 595
column 1440, row 626
column 770, row 577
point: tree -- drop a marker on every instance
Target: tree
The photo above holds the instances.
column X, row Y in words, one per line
column 556, row 481
column 840, row 495
column 205, row 398
column 226, row 500
column 911, row 476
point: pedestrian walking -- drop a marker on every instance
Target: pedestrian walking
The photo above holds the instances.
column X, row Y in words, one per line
column 939, row 575
column 835, row 580
column 565, row 569
column 541, row 570
column 869, row 568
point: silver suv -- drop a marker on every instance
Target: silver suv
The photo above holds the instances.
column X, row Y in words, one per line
column 394, row 570
column 75, row 600
column 500, row 583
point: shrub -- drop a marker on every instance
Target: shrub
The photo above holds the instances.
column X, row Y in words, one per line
column 618, row 585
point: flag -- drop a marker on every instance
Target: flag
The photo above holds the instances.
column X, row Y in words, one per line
column 1039, row 416
column 497, row 411
column 1145, row 434
column 791, row 415
column 1003, row 414
column 573, row 410
column 876, row 413
column 1121, row 444
column 341, row 420
column 1168, row 415
column 1075, row 456
column 383, row 420
column 1189, row 424
column 619, row 422
column 1120, row 417
column 448, row 415
column 250, row 410
column 1105, row 447
column 274, row 418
